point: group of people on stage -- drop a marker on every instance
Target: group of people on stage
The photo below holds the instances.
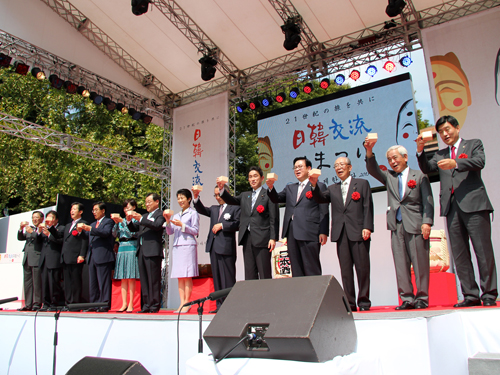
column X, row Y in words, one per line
column 254, row 214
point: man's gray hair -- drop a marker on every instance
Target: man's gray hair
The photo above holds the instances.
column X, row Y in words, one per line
column 346, row 158
column 402, row 151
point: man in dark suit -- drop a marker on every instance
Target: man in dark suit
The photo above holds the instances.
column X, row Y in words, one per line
column 50, row 262
column 149, row 251
column 410, row 216
column 305, row 225
column 467, row 208
column 100, row 257
column 31, row 260
column 352, row 226
column 259, row 225
column 74, row 250
column 221, row 241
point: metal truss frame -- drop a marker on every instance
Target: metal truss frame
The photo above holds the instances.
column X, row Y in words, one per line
column 232, row 148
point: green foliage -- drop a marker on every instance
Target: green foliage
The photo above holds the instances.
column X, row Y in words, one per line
column 422, row 124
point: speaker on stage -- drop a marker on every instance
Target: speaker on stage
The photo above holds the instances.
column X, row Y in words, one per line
column 300, row 318
column 107, row 366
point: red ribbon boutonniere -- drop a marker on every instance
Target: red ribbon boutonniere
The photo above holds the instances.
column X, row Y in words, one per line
column 355, row 196
column 74, row 232
column 462, row 156
column 260, row 208
column 412, row 184
column 309, row 195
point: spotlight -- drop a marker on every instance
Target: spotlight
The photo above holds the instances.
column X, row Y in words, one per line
column 294, row 93
column 266, row 102
column 70, row 87
column 5, row 60
column 325, row 83
column 280, row 98
column 241, row 107
column 208, row 70
column 96, row 98
column 340, row 79
column 371, row 70
column 292, row 34
column 389, row 24
column 355, row 74
column 395, row 7
column 83, row 91
column 120, row 107
column 254, row 105
column 55, row 81
column 110, row 105
column 38, row 73
column 389, row 66
column 140, row 7
column 136, row 115
column 405, row 61
column 308, row 88
column 21, row 68
column 146, row 118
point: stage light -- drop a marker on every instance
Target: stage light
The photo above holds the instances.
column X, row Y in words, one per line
column 355, row 74
column 294, row 93
column 21, row 68
column 254, row 105
column 5, row 60
column 371, row 70
column 140, row 7
column 292, row 34
column 208, row 69
column 96, row 98
column 110, row 105
column 325, row 83
column 405, row 61
column 389, row 66
column 241, row 107
column 83, row 91
column 146, row 118
column 55, row 81
column 70, row 87
column 280, row 98
column 308, row 87
column 340, row 79
column 38, row 73
column 120, row 107
column 395, row 7
column 136, row 115
column 266, row 102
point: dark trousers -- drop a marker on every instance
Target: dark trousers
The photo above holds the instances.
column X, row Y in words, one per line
column 100, row 281
column 475, row 226
column 51, row 286
column 257, row 260
column 150, row 273
column 72, row 282
column 223, row 271
column 357, row 254
column 32, row 286
column 304, row 255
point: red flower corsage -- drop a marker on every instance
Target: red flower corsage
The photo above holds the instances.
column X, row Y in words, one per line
column 260, row 208
column 462, row 156
column 355, row 196
column 309, row 195
column 412, row 184
column 75, row 232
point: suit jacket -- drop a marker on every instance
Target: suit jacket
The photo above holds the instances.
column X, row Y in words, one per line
column 469, row 190
column 150, row 233
column 224, row 241
column 101, row 242
column 74, row 246
column 191, row 221
column 264, row 226
column 417, row 205
column 355, row 215
column 51, row 247
column 32, row 247
column 311, row 218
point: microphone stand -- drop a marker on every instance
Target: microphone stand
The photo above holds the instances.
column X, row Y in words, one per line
column 200, row 337
column 56, row 316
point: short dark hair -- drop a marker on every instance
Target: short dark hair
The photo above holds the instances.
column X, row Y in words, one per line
column 154, row 196
column 132, row 202
column 101, row 205
column 186, row 193
column 255, row 168
column 53, row 213
column 40, row 213
column 81, row 207
column 306, row 160
column 446, row 119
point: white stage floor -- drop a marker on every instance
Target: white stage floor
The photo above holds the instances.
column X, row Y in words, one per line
column 389, row 342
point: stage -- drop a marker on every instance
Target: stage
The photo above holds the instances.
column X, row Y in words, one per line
column 438, row 340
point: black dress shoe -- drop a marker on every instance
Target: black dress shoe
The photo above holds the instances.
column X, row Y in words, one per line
column 43, row 309
column 36, row 307
column 91, row 309
column 52, row 309
column 405, row 306
column 214, row 311
column 354, row 308
column 364, row 308
column 65, row 308
column 468, row 303
column 25, row 308
column 153, row 311
column 102, row 309
column 420, row 305
column 489, row 302
column 143, row 311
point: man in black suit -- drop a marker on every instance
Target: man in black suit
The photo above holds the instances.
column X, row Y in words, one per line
column 305, row 225
column 221, row 241
column 31, row 260
column 467, row 208
column 50, row 262
column 352, row 226
column 149, row 251
column 74, row 250
column 259, row 225
column 100, row 257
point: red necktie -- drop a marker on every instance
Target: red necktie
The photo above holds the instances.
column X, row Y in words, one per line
column 453, row 148
column 97, row 224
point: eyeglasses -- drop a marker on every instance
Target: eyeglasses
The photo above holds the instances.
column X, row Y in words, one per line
column 337, row 165
column 298, row 167
column 216, row 195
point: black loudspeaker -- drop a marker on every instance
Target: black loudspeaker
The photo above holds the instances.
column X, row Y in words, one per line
column 300, row 318
column 107, row 366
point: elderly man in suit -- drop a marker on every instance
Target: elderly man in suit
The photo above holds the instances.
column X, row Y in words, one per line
column 149, row 252
column 50, row 261
column 31, row 260
column 100, row 257
column 259, row 225
column 465, row 203
column 305, row 225
column 410, row 216
column 352, row 226
column 221, row 241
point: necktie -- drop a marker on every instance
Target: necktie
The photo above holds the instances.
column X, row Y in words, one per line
column 299, row 192
column 97, row 224
column 344, row 191
column 453, row 155
column 221, row 208
column 400, row 183
column 72, row 225
column 254, row 198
